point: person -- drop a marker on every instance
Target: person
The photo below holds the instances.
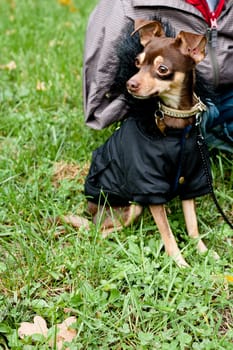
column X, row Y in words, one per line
column 105, row 29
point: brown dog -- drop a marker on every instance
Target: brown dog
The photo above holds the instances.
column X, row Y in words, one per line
column 167, row 72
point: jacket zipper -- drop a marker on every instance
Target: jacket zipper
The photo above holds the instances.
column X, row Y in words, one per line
column 212, row 40
column 212, row 31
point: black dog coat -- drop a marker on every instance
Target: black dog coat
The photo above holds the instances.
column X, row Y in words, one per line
column 133, row 166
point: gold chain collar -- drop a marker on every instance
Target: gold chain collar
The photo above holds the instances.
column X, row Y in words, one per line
column 179, row 113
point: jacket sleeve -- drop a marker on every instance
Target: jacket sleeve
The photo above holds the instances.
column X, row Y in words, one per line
column 100, row 65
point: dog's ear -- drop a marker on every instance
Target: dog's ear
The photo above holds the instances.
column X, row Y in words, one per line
column 192, row 45
column 147, row 30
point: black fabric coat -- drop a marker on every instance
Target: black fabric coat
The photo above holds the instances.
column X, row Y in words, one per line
column 134, row 165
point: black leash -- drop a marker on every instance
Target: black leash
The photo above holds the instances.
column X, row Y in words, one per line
column 203, row 151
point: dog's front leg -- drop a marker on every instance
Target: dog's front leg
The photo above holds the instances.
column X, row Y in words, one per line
column 191, row 223
column 159, row 214
column 192, row 226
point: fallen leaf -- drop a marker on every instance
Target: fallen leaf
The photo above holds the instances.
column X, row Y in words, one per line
column 10, row 32
column 39, row 326
column 9, row 66
column 64, row 331
column 40, row 86
column 69, row 171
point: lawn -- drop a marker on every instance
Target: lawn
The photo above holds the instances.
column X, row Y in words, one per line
column 124, row 292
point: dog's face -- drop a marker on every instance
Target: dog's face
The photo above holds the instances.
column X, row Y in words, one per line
column 165, row 62
column 162, row 70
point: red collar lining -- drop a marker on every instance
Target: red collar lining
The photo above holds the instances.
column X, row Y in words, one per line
column 203, row 7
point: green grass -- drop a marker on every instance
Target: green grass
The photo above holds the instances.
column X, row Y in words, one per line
column 125, row 292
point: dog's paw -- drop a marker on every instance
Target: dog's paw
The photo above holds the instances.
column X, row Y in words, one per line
column 107, row 231
column 201, row 247
column 76, row 221
column 215, row 255
column 181, row 262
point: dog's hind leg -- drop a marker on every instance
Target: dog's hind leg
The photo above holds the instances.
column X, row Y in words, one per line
column 171, row 247
column 192, row 226
column 120, row 217
column 112, row 219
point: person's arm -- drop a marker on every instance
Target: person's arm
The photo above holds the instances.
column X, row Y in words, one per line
column 100, row 65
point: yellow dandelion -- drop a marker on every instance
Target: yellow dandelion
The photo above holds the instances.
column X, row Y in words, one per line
column 229, row 278
column 73, row 8
column 65, row 2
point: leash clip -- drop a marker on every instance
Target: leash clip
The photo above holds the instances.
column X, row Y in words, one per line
column 159, row 114
column 198, row 119
column 159, row 121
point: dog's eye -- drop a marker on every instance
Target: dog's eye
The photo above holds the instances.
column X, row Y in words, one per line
column 137, row 62
column 162, row 69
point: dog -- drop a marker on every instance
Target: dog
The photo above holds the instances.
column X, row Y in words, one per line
column 131, row 170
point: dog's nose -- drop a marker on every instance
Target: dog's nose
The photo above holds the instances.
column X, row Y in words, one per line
column 132, row 85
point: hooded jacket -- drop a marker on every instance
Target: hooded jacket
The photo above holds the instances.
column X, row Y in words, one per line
column 105, row 29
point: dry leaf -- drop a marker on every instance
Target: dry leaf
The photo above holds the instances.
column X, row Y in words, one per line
column 40, row 86
column 38, row 327
column 54, row 43
column 69, row 171
column 9, row 66
column 10, row 32
column 64, row 332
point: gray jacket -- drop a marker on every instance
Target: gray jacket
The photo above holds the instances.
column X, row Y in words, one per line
column 104, row 30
